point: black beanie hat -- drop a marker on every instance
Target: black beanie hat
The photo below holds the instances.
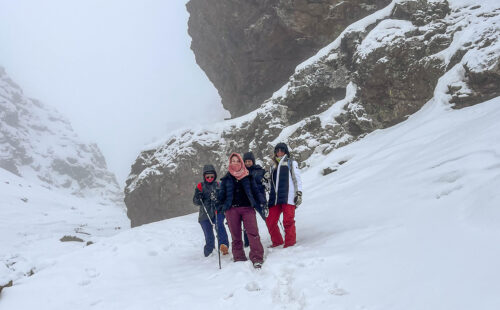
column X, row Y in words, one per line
column 249, row 156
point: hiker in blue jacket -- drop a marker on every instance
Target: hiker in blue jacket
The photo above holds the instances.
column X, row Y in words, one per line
column 205, row 196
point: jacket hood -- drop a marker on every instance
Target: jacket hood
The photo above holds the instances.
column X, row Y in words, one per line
column 209, row 169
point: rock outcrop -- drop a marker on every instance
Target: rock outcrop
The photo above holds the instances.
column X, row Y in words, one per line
column 249, row 49
column 377, row 73
column 37, row 143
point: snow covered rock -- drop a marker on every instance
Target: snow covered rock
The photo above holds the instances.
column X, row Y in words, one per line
column 37, row 143
column 377, row 73
column 248, row 49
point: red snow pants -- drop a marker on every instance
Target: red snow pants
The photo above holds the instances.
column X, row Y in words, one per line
column 288, row 223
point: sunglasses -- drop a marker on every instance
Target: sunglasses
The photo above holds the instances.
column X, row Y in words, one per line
column 209, row 177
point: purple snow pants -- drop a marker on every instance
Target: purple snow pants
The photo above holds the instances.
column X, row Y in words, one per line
column 235, row 216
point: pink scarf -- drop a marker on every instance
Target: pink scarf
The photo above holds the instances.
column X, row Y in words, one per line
column 238, row 170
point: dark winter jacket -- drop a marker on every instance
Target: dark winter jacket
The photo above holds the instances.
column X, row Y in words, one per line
column 208, row 195
column 283, row 190
column 227, row 192
column 257, row 173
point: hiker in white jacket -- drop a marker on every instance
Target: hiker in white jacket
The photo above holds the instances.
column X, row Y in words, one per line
column 285, row 196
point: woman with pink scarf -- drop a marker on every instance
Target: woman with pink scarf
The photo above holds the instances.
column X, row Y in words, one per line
column 238, row 196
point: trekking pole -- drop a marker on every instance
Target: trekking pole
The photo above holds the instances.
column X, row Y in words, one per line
column 216, row 230
column 217, row 233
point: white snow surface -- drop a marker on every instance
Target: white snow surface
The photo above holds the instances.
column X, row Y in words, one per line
column 410, row 221
column 33, row 219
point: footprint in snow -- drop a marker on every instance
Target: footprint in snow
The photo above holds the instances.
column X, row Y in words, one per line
column 252, row 286
column 92, row 272
column 84, row 283
column 338, row 291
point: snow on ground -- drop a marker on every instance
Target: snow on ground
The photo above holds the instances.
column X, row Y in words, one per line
column 33, row 219
column 410, row 221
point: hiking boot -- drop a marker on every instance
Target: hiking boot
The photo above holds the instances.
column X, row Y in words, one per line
column 224, row 249
column 257, row 265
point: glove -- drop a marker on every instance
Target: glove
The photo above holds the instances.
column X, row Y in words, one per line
column 265, row 210
column 199, row 195
column 298, row 199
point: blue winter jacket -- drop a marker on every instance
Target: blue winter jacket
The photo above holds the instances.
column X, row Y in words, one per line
column 228, row 183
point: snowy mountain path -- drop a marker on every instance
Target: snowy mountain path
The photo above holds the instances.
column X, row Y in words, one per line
column 409, row 221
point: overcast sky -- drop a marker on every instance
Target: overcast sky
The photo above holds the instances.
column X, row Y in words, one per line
column 121, row 71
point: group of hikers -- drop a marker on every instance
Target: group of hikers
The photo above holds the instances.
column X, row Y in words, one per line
column 240, row 195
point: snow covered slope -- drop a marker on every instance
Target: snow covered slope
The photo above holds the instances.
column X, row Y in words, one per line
column 33, row 219
column 409, row 220
column 38, row 144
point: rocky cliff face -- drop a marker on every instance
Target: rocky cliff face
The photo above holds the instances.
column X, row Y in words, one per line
column 377, row 73
column 37, row 143
column 249, row 49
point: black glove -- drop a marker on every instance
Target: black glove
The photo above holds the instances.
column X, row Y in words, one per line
column 298, row 198
column 199, row 195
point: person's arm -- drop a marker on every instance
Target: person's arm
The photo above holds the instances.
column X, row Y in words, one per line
column 296, row 170
column 198, row 195
column 261, row 198
column 221, row 195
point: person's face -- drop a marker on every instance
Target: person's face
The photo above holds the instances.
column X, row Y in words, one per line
column 280, row 153
column 209, row 177
column 248, row 163
column 235, row 160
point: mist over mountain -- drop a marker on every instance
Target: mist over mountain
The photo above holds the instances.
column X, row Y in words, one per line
column 39, row 144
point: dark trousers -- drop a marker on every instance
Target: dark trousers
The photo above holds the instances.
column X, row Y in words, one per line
column 245, row 237
column 288, row 223
column 209, row 233
column 235, row 216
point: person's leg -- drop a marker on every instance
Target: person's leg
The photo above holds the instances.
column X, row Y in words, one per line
column 245, row 239
column 233, row 217
column 272, row 225
column 250, row 223
column 221, row 231
column 289, row 224
column 209, row 237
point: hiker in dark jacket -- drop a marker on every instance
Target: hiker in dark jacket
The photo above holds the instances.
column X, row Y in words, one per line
column 205, row 196
column 239, row 196
column 257, row 173
column 285, row 196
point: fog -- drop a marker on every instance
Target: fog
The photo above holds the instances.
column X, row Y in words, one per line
column 121, row 71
